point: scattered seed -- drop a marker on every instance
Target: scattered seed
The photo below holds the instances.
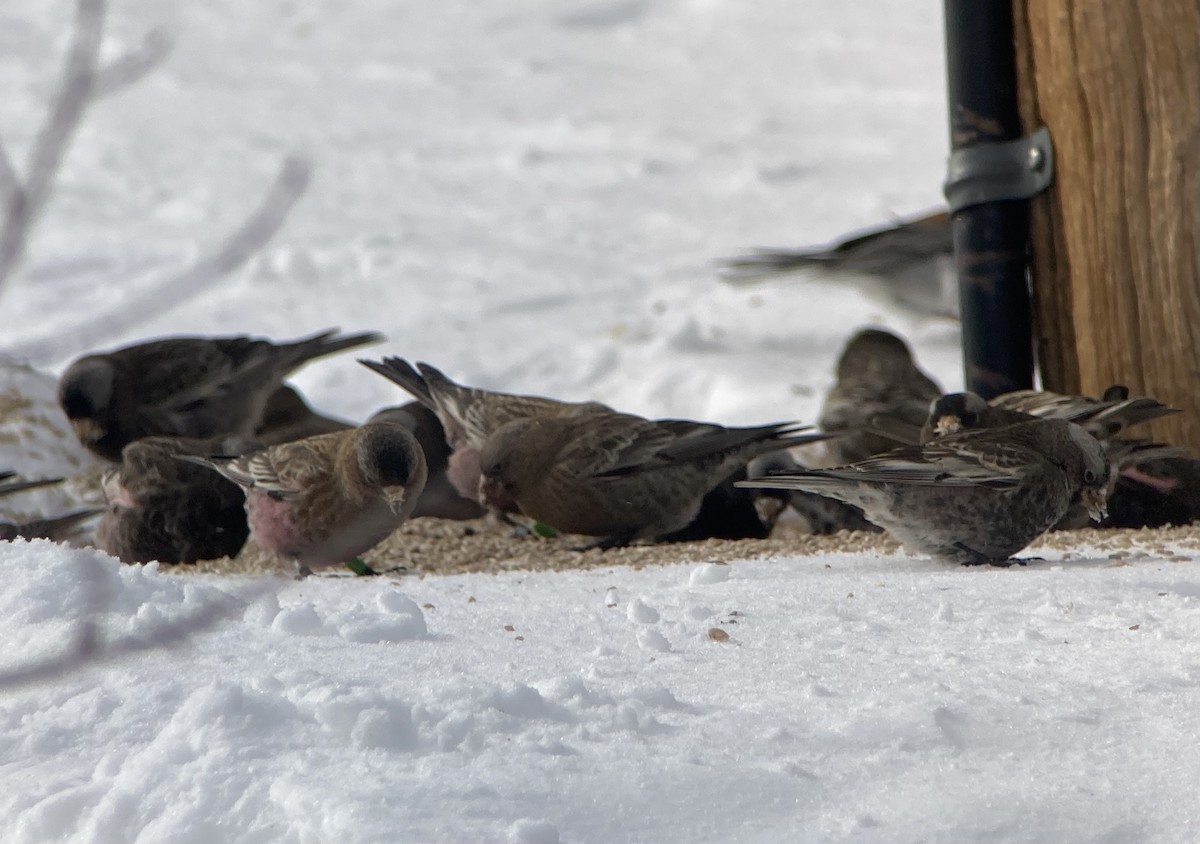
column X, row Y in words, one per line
column 429, row 547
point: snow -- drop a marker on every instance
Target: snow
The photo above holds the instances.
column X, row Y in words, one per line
column 529, row 195
column 856, row 698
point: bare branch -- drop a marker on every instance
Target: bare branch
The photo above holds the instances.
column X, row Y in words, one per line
column 240, row 246
column 133, row 66
column 10, row 183
column 23, row 206
column 261, row 226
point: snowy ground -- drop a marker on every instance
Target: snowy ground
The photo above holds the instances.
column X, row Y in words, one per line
column 856, row 699
column 528, row 195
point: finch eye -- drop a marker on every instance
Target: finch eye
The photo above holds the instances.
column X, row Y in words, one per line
column 1090, row 477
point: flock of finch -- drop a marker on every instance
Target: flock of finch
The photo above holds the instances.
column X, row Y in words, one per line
column 208, row 446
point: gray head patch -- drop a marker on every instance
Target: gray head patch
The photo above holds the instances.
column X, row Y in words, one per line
column 1094, row 460
column 87, row 388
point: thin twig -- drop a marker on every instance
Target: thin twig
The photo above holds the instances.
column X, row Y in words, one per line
column 239, row 247
column 10, row 183
column 23, row 206
column 132, row 67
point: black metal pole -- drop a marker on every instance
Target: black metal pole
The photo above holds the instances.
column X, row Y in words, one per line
column 990, row 239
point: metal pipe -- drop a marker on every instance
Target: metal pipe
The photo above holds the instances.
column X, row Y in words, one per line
column 990, row 239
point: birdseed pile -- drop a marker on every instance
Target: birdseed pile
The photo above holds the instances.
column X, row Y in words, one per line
column 436, row 547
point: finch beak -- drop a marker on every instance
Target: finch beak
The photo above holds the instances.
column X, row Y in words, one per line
column 493, row 494
column 88, row 432
column 114, row 492
column 1095, row 499
column 769, row 509
column 395, row 498
column 947, row 425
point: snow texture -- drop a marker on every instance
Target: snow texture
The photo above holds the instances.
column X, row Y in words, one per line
column 529, row 195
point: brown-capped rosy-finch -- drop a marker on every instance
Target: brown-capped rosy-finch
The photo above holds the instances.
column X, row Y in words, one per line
column 973, row 497
column 876, row 376
column 1106, row 419
column 324, row 500
column 439, row 499
column 166, row 509
column 198, row 387
column 469, row 415
column 617, row 476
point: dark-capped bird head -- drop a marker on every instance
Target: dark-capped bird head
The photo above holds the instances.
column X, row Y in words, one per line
column 873, row 348
column 955, row 412
column 85, row 390
column 1093, row 471
column 86, row 393
column 388, row 455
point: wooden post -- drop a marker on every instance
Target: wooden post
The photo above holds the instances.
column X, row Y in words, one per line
column 1116, row 239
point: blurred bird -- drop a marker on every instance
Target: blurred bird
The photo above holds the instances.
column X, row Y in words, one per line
column 469, row 415
column 1157, row 492
column 616, row 476
column 876, row 377
column 973, row 497
column 197, row 387
column 909, row 263
column 163, row 508
column 9, row 486
column 324, row 500
column 439, row 499
column 288, row 417
column 57, row 529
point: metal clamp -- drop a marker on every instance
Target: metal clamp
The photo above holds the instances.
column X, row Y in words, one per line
column 991, row 172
